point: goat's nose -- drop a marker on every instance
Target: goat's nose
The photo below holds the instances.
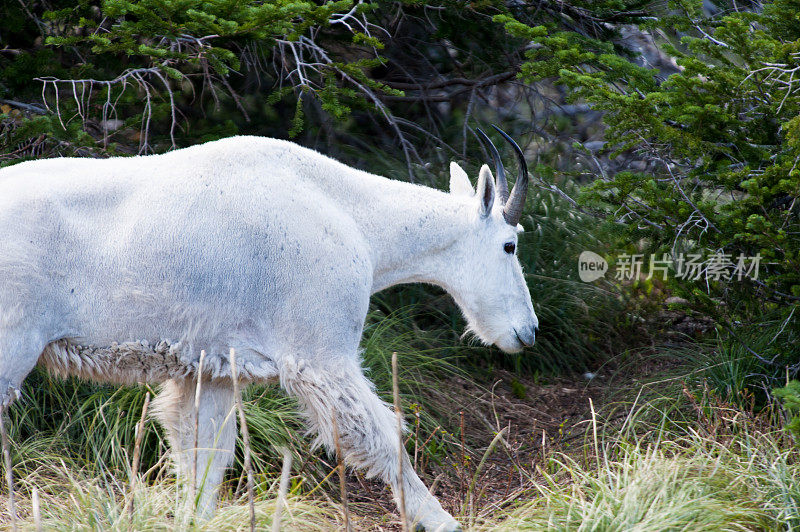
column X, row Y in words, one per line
column 527, row 335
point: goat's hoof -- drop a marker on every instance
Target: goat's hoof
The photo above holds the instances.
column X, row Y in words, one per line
column 441, row 528
column 431, row 517
column 451, row 525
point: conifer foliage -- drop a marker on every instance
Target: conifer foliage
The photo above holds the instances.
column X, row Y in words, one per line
column 98, row 77
column 720, row 139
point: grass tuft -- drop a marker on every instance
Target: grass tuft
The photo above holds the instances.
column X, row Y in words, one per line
column 743, row 479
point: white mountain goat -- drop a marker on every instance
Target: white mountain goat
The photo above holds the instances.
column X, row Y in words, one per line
column 121, row 270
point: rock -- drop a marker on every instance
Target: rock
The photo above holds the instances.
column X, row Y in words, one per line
column 675, row 300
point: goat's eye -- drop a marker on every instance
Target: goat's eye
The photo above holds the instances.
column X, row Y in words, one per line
column 509, row 247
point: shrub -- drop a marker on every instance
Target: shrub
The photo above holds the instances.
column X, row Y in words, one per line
column 720, row 140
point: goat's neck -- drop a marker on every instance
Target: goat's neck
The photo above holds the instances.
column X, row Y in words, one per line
column 409, row 230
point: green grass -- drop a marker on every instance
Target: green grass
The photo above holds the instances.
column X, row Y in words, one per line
column 689, row 484
column 747, row 362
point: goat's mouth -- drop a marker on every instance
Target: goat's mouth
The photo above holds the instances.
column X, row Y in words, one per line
column 529, row 338
column 510, row 343
column 516, row 333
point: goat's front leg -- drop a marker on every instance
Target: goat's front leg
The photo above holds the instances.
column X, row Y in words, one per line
column 216, row 434
column 368, row 432
column 20, row 349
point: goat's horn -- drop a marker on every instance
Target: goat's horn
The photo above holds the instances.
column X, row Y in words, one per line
column 500, row 177
column 512, row 211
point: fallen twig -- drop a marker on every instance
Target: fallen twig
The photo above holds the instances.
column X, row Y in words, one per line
column 9, row 475
column 399, row 414
column 245, row 440
column 340, row 467
column 137, row 450
column 198, row 390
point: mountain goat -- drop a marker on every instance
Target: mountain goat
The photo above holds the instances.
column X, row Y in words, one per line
column 121, row 270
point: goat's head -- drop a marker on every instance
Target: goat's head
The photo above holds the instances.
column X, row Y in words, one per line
column 490, row 288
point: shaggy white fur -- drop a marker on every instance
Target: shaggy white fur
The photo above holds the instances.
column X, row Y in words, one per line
column 122, row 270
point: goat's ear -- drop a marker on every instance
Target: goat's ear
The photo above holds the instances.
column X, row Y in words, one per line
column 485, row 191
column 459, row 181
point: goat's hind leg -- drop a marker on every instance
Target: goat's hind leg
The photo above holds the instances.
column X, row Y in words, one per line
column 216, row 434
column 19, row 353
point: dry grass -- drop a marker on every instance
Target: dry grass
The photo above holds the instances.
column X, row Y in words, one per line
column 78, row 500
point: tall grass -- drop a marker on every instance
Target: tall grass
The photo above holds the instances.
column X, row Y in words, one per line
column 87, row 424
column 581, row 324
column 748, row 361
column 745, row 477
column 741, row 365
